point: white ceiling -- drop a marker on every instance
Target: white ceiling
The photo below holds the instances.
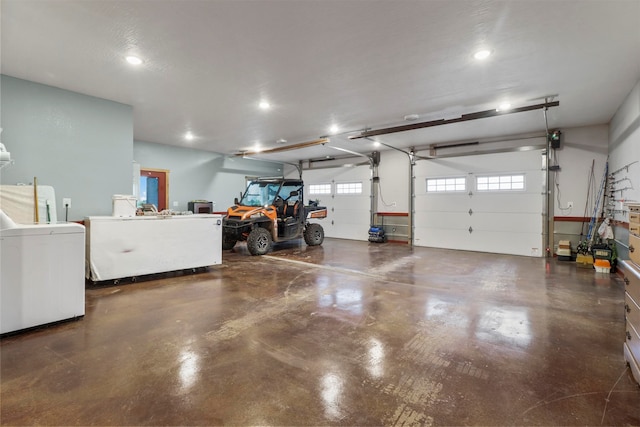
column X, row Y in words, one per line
column 358, row 64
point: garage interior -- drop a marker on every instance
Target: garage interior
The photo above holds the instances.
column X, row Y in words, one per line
column 496, row 144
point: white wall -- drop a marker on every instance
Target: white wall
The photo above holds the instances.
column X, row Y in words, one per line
column 624, row 148
column 393, row 171
column 579, row 149
column 624, row 145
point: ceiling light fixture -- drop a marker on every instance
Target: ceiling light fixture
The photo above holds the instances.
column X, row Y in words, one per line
column 334, row 129
column 482, row 54
column 264, row 105
column 281, row 141
column 134, row 60
column 189, row 136
column 505, row 106
column 411, row 117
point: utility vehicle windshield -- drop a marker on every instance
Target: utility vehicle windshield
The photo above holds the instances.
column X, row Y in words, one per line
column 263, row 193
column 260, row 194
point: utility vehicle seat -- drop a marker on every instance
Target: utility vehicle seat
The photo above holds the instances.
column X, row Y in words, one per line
column 292, row 209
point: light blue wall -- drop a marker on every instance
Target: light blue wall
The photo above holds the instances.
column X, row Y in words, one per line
column 197, row 174
column 80, row 145
column 83, row 147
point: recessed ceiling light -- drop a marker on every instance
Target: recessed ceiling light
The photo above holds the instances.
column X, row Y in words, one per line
column 281, row 141
column 257, row 147
column 411, row 117
column 264, row 105
column 334, row 129
column 504, row 107
column 376, row 143
column 482, row 54
column 134, row 60
column 189, row 136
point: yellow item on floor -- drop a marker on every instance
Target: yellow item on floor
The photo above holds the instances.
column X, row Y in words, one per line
column 584, row 260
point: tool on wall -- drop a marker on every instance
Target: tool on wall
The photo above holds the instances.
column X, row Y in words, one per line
column 590, row 191
column 624, row 168
column 596, row 207
column 36, row 214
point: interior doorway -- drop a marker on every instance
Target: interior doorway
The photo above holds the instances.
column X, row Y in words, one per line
column 154, row 188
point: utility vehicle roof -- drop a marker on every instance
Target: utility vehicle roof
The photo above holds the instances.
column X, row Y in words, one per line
column 279, row 180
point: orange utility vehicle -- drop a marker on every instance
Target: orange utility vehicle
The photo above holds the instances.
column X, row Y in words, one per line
column 272, row 210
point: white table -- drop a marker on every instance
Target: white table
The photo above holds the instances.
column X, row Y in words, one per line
column 119, row 247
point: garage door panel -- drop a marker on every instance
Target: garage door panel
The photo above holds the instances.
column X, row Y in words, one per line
column 351, row 216
column 511, row 202
column 513, row 223
column 507, row 222
column 343, row 203
column 510, row 242
column 487, row 222
column 442, row 238
column 348, row 215
column 444, row 220
column 441, row 202
column 500, row 242
column 521, row 202
column 353, row 227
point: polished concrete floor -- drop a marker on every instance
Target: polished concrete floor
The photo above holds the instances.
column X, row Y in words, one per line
column 350, row 333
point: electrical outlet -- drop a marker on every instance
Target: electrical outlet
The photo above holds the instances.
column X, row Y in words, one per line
column 66, row 202
column 570, row 205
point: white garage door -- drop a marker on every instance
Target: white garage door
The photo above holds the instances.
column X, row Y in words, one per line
column 488, row 203
column 348, row 202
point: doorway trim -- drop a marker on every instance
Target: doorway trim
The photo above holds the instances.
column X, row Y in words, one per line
column 163, row 184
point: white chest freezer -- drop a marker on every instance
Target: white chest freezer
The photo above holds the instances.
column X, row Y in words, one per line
column 119, row 247
column 41, row 275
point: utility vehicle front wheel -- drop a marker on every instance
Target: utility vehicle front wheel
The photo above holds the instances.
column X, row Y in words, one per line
column 228, row 243
column 259, row 241
column 314, row 235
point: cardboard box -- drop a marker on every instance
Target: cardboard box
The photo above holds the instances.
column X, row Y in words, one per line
column 634, row 248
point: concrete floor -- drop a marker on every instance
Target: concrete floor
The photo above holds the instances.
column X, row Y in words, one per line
column 349, row 333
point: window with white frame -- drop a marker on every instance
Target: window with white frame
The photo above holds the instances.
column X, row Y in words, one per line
column 319, row 188
column 443, row 185
column 500, row 182
column 349, row 188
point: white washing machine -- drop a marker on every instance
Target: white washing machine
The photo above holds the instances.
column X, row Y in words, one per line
column 41, row 274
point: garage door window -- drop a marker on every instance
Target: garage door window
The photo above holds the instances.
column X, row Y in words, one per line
column 319, row 188
column 500, row 183
column 445, row 185
column 349, row 188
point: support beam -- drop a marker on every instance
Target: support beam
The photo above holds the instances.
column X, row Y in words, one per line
column 320, row 141
column 465, row 117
